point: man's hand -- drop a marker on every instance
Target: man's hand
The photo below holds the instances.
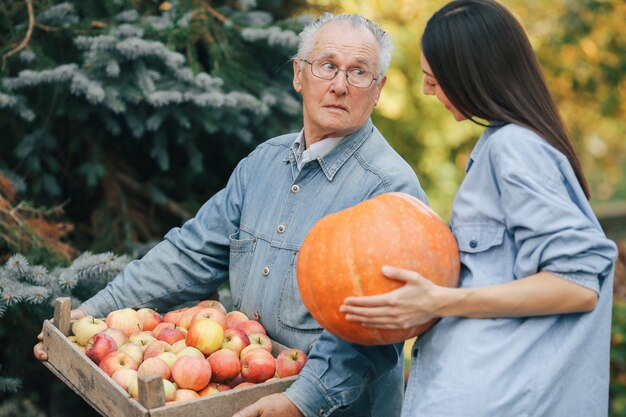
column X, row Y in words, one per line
column 39, row 351
column 275, row 405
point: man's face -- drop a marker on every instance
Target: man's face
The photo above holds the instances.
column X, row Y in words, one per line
column 333, row 107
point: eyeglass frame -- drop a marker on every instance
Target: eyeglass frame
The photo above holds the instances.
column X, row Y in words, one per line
column 374, row 78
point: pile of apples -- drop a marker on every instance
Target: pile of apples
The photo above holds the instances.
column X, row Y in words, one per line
column 197, row 351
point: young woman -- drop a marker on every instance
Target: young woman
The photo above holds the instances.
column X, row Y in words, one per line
column 527, row 333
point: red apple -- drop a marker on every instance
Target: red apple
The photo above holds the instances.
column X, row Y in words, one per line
column 133, row 350
column 169, row 388
column 86, row 327
column 250, row 348
column 251, row 326
column 256, row 367
column 172, row 335
column 168, row 357
column 191, row 372
column 149, row 318
column 127, row 320
column 225, row 365
column 261, row 339
column 205, row 335
column 235, row 340
column 124, row 377
column 213, row 304
column 98, row 346
column 190, row 351
column 116, row 360
column 245, row 384
column 119, row 337
column 290, row 362
column 235, row 381
column 174, row 316
column 213, row 388
column 161, row 326
column 154, row 366
column 211, row 314
column 234, row 318
column 183, row 394
column 142, row 339
column 178, row 346
column 155, row 348
column 187, row 316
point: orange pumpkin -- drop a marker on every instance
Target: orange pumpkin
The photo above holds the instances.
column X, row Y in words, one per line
column 344, row 252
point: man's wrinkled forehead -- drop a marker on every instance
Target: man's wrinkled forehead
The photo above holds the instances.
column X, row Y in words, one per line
column 336, row 39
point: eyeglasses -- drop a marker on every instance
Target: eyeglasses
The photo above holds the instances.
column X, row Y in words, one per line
column 326, row 70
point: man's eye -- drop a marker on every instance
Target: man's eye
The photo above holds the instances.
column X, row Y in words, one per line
column 357, row 72
column 327, row 66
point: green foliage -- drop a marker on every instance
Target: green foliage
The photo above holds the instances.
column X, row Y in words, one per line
column 27, row 293
column 136, row 112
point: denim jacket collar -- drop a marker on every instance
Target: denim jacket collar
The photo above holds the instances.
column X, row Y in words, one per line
column 490, row 130
column 333, row 161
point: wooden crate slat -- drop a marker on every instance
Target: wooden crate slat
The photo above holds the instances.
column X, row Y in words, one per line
column 224, row 404
column 87, row 379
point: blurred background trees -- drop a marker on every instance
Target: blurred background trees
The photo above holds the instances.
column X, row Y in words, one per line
column 118, row 119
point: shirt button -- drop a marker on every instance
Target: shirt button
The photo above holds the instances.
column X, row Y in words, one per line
column 473, row 244
column 295, row 188
column 280, row 228
column 266, row 271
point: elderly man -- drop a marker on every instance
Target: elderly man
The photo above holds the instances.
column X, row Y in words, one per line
column 249, row 233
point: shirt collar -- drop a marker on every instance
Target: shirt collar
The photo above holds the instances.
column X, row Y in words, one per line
column 490, row 130
column 315, row 151
column 339, row 153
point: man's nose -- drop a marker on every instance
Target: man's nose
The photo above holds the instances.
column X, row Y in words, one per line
column 339, row 84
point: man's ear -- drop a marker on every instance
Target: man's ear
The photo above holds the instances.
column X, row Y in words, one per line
column 297, row 73
column 380, row 85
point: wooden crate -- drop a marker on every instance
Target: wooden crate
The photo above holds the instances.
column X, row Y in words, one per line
column 83, row 376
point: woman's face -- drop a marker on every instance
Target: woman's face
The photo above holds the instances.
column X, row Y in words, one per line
column 431, row 87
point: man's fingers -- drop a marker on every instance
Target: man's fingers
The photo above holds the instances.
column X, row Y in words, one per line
column 250, row 411
column 39, row 352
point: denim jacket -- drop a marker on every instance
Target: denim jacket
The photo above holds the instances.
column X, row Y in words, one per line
column 249, row 233
column 520, row 210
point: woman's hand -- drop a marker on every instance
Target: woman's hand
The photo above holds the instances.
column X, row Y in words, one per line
column 38, row 349
column 413, row 304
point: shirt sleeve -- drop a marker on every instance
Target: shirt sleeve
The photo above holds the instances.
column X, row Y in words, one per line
column 188, row 264
column 550, row 218
column 336, row 372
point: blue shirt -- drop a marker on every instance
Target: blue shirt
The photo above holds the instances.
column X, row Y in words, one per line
column 520, row 210
column 249, row 233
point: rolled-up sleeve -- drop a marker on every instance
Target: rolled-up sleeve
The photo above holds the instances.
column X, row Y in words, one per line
column 336, row 372
column 550, row 219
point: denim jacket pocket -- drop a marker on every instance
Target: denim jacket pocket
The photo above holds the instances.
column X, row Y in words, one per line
column 292, row 313
column 242, row 246
column 482, row 246
column 477, row 238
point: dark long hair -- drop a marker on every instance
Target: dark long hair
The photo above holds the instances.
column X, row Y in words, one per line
column 482, row 59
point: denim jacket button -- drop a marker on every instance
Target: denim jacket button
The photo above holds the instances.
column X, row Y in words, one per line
column 322, row 411
column 266, row 271
column 280, row 228
column 295, row 188
column 473, row 244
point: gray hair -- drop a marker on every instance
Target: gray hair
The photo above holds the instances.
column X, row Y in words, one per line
column 355, row 21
